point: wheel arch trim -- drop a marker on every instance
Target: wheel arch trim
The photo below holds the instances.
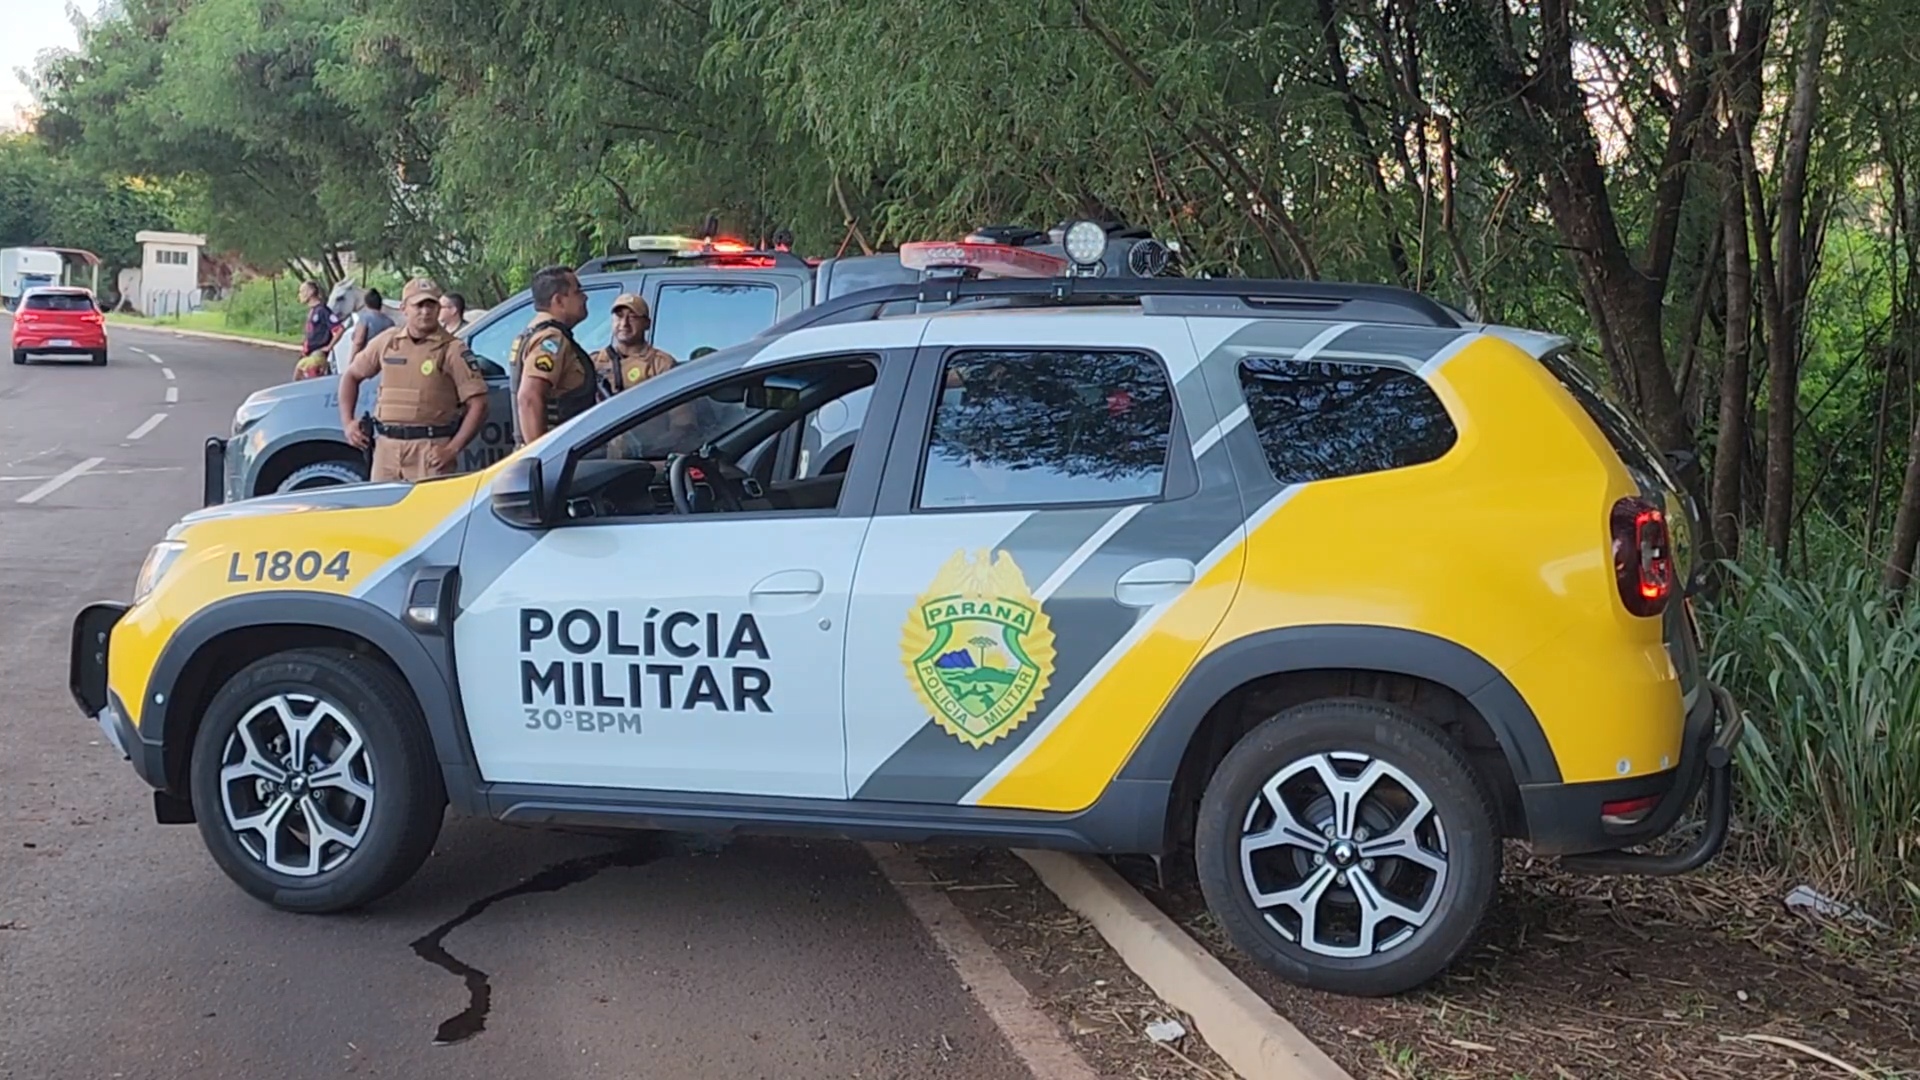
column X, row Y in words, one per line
column 417, row 662
column 1382, row 649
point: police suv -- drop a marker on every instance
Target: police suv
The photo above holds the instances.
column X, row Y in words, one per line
column 705, row 294
column 1321, row 583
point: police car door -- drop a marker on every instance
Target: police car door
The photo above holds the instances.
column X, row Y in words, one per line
column 634, row 647
column 1044, row 514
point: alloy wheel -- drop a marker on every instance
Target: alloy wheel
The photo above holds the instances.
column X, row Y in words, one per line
column 296, row 783
column 1343, row 855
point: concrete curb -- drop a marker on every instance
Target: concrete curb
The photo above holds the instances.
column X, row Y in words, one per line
column 1257, row 1042
column 207, row 334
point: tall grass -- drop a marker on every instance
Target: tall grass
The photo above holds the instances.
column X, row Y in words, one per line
column 1826, row 665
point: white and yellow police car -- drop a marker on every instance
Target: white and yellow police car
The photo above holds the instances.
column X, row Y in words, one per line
column 1324, row 581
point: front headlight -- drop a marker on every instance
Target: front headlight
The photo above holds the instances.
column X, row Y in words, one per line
column 249, row 412
column 160, row 559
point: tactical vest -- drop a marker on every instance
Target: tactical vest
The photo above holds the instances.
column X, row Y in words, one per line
column 560, row 407
column 415, row 386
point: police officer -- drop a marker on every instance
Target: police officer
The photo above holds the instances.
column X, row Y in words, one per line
column 631, row 358
column 430, row 402
column 554, row 379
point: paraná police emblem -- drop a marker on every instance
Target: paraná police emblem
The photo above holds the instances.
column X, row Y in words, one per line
column 978, row 648
column 426, row 367
column 633, row 375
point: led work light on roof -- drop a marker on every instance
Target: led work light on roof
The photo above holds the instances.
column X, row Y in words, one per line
column 1086, row 245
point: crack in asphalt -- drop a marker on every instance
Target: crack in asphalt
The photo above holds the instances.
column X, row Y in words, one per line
column 431, row 947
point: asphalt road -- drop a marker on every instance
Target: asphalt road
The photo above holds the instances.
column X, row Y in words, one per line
column 124, row 952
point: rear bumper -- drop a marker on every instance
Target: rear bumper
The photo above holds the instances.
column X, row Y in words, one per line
column 1569, row 819
column 87, row 680
column 74, row 347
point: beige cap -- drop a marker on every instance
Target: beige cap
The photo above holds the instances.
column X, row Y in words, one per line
column 634, row 303
column 417, row 289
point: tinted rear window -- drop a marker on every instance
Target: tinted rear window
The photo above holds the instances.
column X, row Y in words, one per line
column 690, row 317
column 1318, row 420
column 58, row 302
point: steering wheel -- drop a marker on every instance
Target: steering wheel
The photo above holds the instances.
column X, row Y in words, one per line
column 685, row 470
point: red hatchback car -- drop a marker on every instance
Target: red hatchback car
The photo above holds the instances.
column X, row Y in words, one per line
column 59, row 320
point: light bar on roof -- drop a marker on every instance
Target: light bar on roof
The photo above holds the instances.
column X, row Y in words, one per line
column 996, row 260
column 662, row 243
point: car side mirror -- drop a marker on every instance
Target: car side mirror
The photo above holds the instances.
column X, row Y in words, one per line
column 520, row 495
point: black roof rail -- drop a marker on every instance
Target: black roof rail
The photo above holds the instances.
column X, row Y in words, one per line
column 1246, row 297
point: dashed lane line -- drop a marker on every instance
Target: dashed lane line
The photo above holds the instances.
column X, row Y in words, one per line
column 173, row 395
column 146, row 426
column 168, row 372
column 59, row 482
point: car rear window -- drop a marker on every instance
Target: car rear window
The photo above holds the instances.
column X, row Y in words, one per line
column 691, row 317
column 1048, row 428
column 1318, row 420
column 58, row 302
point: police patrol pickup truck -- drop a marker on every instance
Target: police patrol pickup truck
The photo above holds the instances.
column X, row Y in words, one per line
column 705, row 295
column 1321, row 582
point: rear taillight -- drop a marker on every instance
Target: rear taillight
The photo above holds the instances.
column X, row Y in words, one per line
column 1625, row 812
column 1642, row 556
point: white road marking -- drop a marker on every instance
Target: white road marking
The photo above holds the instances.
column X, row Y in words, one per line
column 146, row 426
column 148, row 355
column 1032, row 1034
column 59, row 482
column 173, row 395
column 168, row 372
column 30, row 457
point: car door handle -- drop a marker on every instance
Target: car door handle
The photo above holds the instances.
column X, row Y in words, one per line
column 1154, row 582
column 791, row 583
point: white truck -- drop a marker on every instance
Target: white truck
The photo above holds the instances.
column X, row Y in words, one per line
column 23, row 268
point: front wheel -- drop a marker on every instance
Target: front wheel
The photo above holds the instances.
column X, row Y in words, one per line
column 330, row 473
column 314, row 781
column 1347, row 846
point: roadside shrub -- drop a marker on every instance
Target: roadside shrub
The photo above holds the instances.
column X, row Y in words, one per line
column 251, row 305
column 1826, row 664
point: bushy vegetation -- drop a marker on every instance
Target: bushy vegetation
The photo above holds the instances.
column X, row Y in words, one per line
column 1826, row 663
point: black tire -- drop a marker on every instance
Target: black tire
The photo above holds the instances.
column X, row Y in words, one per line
column 1396, row 738
column 19, row 356
column 409, row 799
column 329, row 473
column 100, row 358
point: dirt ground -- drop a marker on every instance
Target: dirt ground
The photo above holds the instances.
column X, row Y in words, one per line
column 1069, row 969
column 1574, row 977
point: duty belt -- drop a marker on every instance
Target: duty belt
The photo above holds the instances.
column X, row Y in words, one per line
column 415, row 431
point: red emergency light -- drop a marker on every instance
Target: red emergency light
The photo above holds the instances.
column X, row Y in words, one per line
column 997, row 260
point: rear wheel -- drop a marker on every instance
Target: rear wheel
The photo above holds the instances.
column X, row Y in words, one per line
column 1348, row 846
column 100, row 358
column 19, row 356
column 314, row 781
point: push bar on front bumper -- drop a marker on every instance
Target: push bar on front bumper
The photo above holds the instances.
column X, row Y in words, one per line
column 1719, row 783
column 213, row 476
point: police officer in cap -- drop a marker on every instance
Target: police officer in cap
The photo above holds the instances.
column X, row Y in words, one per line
column 554, row 379
column 430, row 402
column 630, row 359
